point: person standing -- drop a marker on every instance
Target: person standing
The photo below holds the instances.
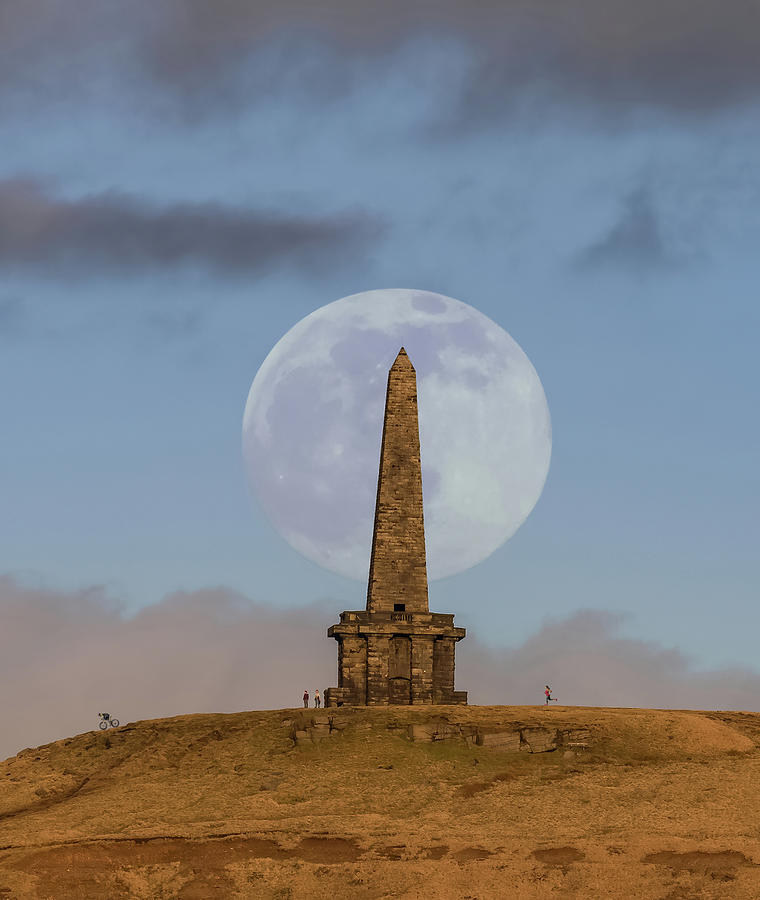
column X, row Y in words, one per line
column 305, row 699
column 317, row 699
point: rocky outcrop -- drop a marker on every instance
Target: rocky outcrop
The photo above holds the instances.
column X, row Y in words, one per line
column 311, row 728
column 529, row 738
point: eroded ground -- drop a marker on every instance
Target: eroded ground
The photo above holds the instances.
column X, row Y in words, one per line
column 478, row 802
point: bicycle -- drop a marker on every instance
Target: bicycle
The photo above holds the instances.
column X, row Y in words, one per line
column 105, row 720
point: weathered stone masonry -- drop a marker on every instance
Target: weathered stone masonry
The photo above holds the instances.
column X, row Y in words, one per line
column 396, row 651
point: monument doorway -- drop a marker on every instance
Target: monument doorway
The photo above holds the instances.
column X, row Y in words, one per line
column 400, row 657
column 400, row 670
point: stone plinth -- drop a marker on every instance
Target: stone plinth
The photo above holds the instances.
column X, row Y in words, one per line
column 395, row 658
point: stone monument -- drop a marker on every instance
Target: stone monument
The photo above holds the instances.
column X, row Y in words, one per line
column 396, row 651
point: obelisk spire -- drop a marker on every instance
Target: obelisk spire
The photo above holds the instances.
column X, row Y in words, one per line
column 397, row 569
column 396, row 652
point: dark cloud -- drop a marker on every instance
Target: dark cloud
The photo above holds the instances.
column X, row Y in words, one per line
column 116, row 232
column 635, row 239
column 46, row 52
column 613, row 56
column 66, row 656
column 678, row 53
column 685, row 55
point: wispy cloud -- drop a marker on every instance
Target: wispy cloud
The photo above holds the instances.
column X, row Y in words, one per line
column 65, row 656
column 120, row 233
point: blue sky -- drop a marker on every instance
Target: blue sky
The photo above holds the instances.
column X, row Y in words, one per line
column 178, row 189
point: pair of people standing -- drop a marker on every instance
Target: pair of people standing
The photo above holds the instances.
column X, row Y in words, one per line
column 317, row 700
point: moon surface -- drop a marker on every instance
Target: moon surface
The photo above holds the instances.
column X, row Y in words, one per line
column 314, row 418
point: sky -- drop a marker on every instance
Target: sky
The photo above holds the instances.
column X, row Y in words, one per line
column 180, row 183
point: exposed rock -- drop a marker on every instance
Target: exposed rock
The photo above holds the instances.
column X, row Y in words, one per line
column 499, row 740
column 447, row 733
column 321, row 719
column 539, row 740
column 577, row 738
column 420, row 732
column 309, row 728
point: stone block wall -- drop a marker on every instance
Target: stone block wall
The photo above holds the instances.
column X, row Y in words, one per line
column 422, row 669
column 443, row 670
column 378, row 647
column 352, row 667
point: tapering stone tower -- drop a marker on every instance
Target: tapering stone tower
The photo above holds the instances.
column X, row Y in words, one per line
column 397, row 651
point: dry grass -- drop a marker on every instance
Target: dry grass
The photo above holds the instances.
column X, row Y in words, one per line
column 663, row 804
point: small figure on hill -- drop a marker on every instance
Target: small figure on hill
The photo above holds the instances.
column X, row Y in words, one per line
column 305, row 699
column 317, row 699
column 548, row 695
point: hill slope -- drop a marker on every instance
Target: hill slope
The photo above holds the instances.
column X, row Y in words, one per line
column 479, row 802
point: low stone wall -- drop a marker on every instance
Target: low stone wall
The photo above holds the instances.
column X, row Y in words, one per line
column 311, row 728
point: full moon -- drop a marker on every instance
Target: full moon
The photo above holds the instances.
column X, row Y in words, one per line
column 314, row 419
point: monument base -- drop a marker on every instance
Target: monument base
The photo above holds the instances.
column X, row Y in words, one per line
column 395, row 659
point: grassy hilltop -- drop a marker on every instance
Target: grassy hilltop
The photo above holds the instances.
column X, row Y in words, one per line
column 461, row 802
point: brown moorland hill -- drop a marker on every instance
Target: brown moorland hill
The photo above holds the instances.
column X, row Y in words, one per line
column 416, row 802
